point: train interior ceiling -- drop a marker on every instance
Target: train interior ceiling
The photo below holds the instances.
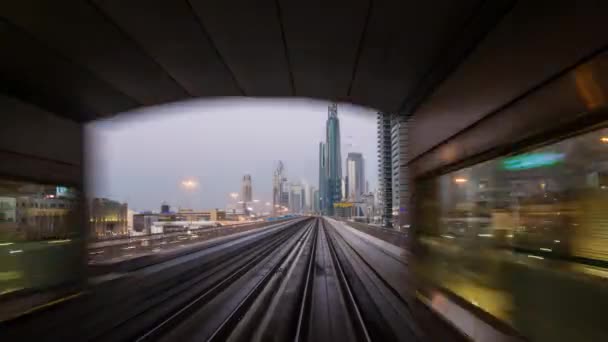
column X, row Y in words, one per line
column 507, row 135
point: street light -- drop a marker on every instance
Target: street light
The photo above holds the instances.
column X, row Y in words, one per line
column 189, row 184
column 256, row 201
column 268, row 203
column 234, row 195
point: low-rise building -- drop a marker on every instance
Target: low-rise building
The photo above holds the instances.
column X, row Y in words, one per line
column 108, row 218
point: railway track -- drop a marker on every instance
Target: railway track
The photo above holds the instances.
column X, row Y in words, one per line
column 302, row 281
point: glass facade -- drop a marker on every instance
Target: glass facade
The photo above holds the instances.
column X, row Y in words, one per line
column 334, row 159
column 40, row 236
column 524, row 237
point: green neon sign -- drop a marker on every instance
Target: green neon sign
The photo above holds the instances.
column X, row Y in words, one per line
column 532, row 160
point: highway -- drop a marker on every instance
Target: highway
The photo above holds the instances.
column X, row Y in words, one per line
column 308, row 279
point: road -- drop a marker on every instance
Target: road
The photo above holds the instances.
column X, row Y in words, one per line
column 308, row 279
column 116, row 250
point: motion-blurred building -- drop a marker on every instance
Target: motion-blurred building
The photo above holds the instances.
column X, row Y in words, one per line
column 107, row 217
column 146, row 223
column 34, row 212
column 385, row 165
column 400, row 181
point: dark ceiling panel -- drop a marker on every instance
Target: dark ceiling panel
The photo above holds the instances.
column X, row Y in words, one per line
column 248, row 36
column 82, row 33
column 35, row 74
column 323, row 39
column 403, row 40
column 532, row 44
column 170, row 32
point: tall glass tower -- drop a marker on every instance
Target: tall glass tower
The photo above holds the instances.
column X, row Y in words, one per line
column 334, row 160
column 322, row 179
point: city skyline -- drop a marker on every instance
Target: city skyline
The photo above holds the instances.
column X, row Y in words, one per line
column 142, row 165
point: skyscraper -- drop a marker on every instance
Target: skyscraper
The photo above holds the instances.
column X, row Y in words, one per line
column 400, row 191
column 385, row 165
column 246, row 191
column 280, row 191
column 322, row 198
column 355, row 176
column 334, row 160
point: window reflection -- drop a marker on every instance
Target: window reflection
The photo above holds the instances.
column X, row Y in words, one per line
column 39, row 230
column 525, row 237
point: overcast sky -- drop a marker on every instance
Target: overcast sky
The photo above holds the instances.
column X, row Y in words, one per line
column 141, row 157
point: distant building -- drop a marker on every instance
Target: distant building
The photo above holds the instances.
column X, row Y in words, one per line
column 316, row 202
column 147, row 223
column 307, row 197
column 296, row 198
column 344, row 209
column 165, row 208
column 311, row 196
column 368, row 206
column 246, row 189
column 355, row 176
column 280, row 188
column 322, row 208
column 107, row 217
column 385, row 166
column 334, row 157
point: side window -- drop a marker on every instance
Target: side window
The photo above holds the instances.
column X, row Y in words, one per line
column 36, row 252
column 498, row 232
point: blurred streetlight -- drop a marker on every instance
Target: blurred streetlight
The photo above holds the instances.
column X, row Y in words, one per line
column 189, row 184
column 256, row 201
column 234, row 195
column 268, row 203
